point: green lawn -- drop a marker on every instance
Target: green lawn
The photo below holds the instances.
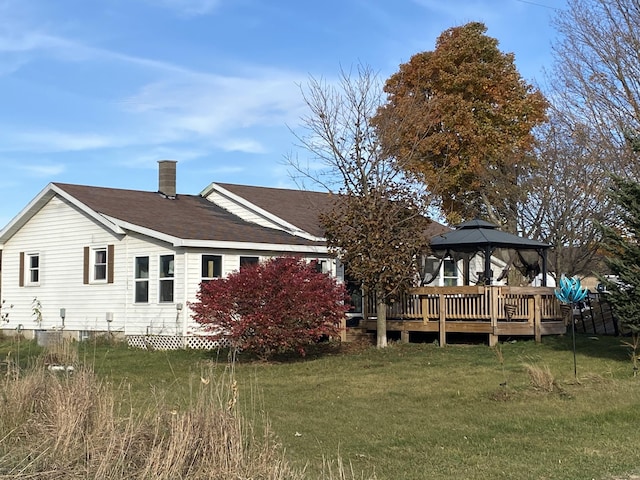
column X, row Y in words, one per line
column 418, row 411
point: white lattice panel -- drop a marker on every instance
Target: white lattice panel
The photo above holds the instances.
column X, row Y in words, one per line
column 172, row 342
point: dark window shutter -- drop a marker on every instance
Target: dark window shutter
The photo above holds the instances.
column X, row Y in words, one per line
column 110, row 257
column 85, row 274
column 21, row 279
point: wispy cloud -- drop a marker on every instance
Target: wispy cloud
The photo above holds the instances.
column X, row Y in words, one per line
column 246, row 145
column 55, row 141
column 215, row 106
column 467, row 11
column 185, row 105
column 188, row 7
column 225, row 170
column 149, row 158
column 42, row 170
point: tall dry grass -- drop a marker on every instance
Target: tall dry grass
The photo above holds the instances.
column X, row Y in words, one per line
column 541, row 377
column 56, row 425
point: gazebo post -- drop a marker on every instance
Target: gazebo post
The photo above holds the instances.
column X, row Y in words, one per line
column 543, row 254
column 487, row 265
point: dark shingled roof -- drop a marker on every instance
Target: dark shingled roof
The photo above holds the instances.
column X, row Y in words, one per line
column 299, row 207
column 478, row 234
column 188, row 217
column 192, row 217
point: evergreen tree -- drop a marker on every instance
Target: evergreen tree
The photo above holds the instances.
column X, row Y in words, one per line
column 621, row 244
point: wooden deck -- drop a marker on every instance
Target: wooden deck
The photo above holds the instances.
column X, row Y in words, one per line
column 490, row 310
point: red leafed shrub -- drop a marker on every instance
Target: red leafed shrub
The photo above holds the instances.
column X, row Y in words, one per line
column 277, row 306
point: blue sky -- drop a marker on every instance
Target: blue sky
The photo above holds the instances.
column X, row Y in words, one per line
column 95, row 92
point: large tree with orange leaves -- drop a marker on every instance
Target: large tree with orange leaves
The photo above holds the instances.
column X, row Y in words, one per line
column 460, row 118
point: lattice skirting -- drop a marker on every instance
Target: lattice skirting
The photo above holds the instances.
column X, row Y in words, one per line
column 173, row 342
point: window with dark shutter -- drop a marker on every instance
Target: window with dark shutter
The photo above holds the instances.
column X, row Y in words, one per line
column 98, row 264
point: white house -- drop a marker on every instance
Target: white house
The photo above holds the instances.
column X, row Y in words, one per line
column 96, row 259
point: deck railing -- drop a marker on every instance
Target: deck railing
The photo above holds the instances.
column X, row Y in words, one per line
column 497, row 310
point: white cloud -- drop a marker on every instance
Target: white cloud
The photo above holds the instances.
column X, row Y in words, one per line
column 149, row 158
column 188, row 7
column 55, row 141
column 214, row 105
column 246, row 145
column 42, row 170
column 186, row 105
column 468, row 10
column 225, row 170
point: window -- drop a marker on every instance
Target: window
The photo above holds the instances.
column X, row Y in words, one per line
column 450, row 273
column 211, row 267
column 322, row 266
column 141, row 279
column 247, row 261
column 33, row 273
column 354, row 290
column 99, row 264
column 166, row 278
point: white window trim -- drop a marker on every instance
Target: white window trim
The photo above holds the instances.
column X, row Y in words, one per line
column 171, row 279
column 325, row 265
column 140, row 280
column 444, row 277
column 28, row 269
column 92, row 264
column 204, row 279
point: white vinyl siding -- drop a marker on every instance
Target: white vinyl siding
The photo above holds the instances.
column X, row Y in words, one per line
column 61, row 234
column 58, row 233
column 242, row 211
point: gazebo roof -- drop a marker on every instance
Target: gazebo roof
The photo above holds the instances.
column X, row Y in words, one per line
column 479, row 235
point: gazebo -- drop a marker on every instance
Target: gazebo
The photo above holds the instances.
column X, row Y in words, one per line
column 478, row 236
column 486, row 307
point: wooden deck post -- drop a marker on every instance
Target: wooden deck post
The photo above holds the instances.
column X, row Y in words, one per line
column 343, row 329
column 537, row 319
column 404, row 336
column 443, row 320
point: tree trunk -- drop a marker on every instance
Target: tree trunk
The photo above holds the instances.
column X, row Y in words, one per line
column 381, row 323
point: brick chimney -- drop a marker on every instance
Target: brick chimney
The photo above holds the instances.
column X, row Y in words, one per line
column 167, row 178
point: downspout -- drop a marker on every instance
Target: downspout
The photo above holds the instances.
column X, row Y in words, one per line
column 184, row 310
column 129, row 276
